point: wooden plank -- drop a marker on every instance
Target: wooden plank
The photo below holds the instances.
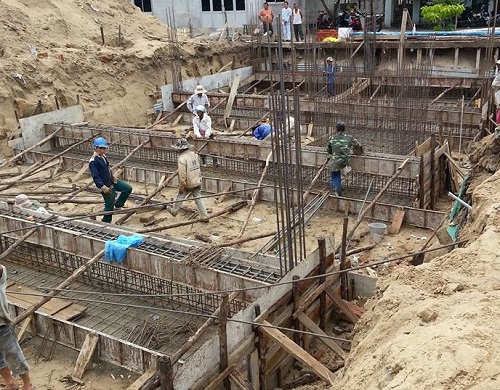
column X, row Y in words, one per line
column 397, row 221
column 24, row 327
column 299, row 353
column 424, row 147
column 58, row 308
column 240, row 381
column 219, row 378
column 232, row 95
column 341, row 305
column 137, row 385
column 311, row 325
column 85, row 355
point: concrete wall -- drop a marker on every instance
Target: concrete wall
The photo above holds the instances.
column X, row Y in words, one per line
column 190, row 12
column 209, row 82
column 32, row 126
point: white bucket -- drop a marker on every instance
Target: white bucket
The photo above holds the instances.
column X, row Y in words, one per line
column 377, row 231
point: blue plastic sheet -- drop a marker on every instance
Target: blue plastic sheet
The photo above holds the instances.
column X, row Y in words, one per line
column 116, row 250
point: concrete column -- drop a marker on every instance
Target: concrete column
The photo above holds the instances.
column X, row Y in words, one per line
column 415, row 12
column 389, row 10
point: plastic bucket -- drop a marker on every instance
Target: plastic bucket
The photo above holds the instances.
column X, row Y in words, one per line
column 377, row 231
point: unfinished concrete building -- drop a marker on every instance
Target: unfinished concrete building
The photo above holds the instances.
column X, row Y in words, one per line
column 192, row 315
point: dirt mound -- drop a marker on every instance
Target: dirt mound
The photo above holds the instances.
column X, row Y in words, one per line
column 52, row 49
column 485, row 154
column 435, row 326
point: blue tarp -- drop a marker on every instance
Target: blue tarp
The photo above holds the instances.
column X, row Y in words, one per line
column 116, row 250
column 456, row 33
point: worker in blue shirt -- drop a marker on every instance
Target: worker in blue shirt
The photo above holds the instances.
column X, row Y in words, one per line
column 263, row 130
column 329, row 72
column 104, row 180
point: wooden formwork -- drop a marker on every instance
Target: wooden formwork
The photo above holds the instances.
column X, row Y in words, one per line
column 432, row 178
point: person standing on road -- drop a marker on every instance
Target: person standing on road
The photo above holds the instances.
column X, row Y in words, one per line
column 339, row 150
column 286, row 17
column 188, row 165
column 266, row 16
column 199, row 98
column 105, row 181
column 297, row 17
column 12, row 360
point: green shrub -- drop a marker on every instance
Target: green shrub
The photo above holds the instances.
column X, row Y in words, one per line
column 442, row 12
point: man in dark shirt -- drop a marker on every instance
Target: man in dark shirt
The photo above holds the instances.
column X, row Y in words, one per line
column 339, row 148
column 104, row 180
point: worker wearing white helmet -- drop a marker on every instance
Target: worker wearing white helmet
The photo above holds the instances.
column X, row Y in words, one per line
column 202, row 123
column 202, row 127
column 198, row 98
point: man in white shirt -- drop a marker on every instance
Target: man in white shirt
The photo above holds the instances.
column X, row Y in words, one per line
column 199, row 98
column 202, row 128
column 286, row 16
column 297, row 23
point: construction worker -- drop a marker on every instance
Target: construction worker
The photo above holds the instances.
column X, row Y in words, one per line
column 199, row 98
column 263, row 130
column 188, row 165
column 339, row 150
column 12, row 360
column 202, row 128
column 104, row 180
column 329, row 72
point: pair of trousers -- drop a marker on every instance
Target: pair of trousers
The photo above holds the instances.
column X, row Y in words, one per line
column 298, row 31
column 110, row 201
column 268, row 27
column 199, row 201
column 336, row 180
column 287, row 35
column 11, row 354
column 330, row 89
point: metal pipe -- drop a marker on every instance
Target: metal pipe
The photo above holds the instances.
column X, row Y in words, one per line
column 466, row 205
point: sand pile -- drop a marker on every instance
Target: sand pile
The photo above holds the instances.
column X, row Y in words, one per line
column 52, row 49
column 436, row 326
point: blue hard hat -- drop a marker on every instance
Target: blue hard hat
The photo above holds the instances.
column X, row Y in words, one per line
column 100, row 142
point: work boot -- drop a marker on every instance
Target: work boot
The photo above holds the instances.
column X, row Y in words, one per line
column 172, row 212
column 205, row 219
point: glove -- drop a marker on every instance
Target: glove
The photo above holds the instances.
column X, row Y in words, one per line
column 106, row 190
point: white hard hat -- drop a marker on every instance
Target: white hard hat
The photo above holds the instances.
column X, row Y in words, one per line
column 200, row 108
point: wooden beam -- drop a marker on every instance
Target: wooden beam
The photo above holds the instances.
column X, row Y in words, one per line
column 232, row 95
column 213, row 385
column 223, row 354
column 240, row 381
column 341, row 305
column 139, row 382
column 39, row 143
column 24, row 327
column 300, row 354
column 83, row 360
column 443, row 93
column 311, row 325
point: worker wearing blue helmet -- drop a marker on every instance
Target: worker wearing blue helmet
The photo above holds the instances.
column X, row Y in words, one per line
column 105, row 181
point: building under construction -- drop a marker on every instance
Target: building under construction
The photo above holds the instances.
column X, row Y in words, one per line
column 189, row 314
